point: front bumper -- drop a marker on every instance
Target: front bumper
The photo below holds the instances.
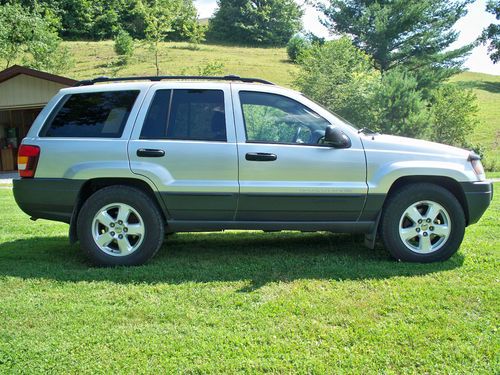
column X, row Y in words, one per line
column 478, row 196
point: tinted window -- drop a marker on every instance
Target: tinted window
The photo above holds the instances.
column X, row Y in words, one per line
column 186, row 115
column 272, row 118
column 97, row 114
column 155, row 123
column 197, row 115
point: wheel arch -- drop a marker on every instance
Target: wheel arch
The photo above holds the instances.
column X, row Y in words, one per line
column 450, row 184
column 95, row 184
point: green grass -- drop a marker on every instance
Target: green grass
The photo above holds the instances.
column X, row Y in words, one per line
column 487, row 89
column 246, row 302
column 94, row 59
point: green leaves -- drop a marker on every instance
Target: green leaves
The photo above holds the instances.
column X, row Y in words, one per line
column 266, row 22
column 31, row 38
column 398, row 107
column 342, row 78
column 413, row 35
column 491, row 35
column 339, row 76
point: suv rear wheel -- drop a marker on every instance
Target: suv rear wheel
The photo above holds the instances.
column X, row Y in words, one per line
column 120, row 225
column 422, row 223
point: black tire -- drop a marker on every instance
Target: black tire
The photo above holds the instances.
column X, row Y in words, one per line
column 153, row 224
column 396, row 205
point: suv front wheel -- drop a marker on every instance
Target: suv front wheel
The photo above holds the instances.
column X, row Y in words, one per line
column 422, row 223
column 120, row 226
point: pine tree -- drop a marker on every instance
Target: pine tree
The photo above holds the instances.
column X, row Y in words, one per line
column 410, row 34
column 491, row 35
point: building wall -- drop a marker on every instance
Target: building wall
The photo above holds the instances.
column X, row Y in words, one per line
column 26, row 91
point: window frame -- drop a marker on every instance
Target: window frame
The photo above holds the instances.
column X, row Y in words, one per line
column 277, row 143
column 42, row 133
column 172, row 92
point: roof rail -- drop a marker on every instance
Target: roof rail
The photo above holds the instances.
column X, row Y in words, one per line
column 88, row 82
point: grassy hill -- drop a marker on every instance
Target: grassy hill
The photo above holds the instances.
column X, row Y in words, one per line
column 98, row 58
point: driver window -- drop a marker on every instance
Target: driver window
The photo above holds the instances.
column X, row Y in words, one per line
column 272, row 118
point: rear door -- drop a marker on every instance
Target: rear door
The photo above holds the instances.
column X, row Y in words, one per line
column 286, row 174
column 184, row 142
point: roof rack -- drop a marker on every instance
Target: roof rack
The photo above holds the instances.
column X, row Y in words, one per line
column 88, row 82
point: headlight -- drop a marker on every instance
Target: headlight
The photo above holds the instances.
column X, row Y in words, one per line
column 475, row 161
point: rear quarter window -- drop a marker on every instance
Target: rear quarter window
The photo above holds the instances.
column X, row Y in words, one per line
column 94, row 114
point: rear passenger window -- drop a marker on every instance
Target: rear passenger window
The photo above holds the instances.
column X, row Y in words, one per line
column 186, row 114
column 96, row 114
column 155, row 123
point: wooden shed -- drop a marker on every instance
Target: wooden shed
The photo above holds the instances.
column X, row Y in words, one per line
column 23, row 94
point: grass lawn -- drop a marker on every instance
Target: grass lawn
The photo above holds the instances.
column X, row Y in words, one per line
column 487, row 133
column 246, row 302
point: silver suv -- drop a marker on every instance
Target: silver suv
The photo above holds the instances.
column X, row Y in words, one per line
column 127, row 163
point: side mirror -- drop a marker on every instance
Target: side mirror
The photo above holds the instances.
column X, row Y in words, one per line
column 336, row 137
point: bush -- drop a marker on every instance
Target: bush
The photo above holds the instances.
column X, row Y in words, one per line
column 454, row 112
column 340, row 77
column 398, row 107
column 124, row 45
column 296, row 46
column 211, row 68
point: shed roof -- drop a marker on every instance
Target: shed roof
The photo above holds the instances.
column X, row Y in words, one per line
column 16, row 70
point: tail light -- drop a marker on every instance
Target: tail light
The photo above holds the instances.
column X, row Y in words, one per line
column 27, row 159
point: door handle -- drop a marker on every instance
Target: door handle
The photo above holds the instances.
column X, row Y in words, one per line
column 260, row 156
column 150, row 153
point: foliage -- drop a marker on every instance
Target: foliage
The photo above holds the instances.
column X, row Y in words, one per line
column 124, row 45
column 491, row 35
column 340, row 77
column 32, row 38
column 251, row 22
column 414, row 35
column 398, row 107
column 186, row 25
column 195, row 33
column 212, row 68
column 159, row 16
column 296, row 46
column 102, row 19
column 454, row 112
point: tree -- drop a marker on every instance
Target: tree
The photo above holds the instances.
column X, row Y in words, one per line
column 102, row 19
column 251, row 22
column 297, row 45
column 194, row 32
column 454, row 112
column 124, row 46
column 28, row 36
column 159, row 16
column 410, row 34
column 398, row 106
column 340, row 77
column 491, row 35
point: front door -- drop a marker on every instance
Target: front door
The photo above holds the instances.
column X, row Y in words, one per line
column 187, row 148
column 286, row 173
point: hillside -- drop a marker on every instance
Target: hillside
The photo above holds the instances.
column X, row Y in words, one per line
column 97, row 59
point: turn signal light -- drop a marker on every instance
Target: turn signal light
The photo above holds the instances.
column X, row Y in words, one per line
column 27, row 159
